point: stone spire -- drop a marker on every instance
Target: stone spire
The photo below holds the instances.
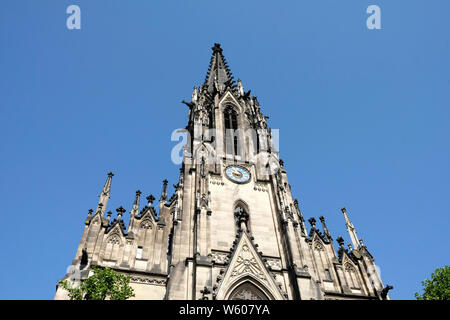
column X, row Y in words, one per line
column 105, row 194
column 219, row 75
column 351, row 230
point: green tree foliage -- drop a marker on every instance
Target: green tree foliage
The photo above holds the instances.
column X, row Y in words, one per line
column 104, row 283
column 438, row 288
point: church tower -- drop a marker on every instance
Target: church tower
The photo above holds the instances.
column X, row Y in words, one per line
column 231, row 229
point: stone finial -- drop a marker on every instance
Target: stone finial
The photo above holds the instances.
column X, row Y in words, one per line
column 361, row 242
column 340, row 241
column 120, row 212
column 164, row 191
column 110, row 174
column 312, row 222
column 343, row 210
column 349, row 245
column 150, row 199
column 90, row 212
column 108, row 215
column 217, row 48
column 100, row 207
column 194, row 94
column 324, row 226
column 138, row 193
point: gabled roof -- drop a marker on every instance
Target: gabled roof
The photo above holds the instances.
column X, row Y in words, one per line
column 246, row 264
column 121, row 226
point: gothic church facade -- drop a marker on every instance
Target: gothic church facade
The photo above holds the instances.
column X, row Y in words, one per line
column 231, row 229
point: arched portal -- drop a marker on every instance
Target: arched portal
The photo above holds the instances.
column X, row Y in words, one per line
column 247, row 291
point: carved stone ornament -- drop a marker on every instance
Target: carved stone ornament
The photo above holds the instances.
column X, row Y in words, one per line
column 318, row 246
column 247, row 292
column 148, row 280
column 246, row 263
column 274, row 264
column 146, row 224
column 349, row 268
column 220, row 257
column 114, row 239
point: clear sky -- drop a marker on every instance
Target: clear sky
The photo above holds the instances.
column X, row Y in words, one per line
column 363, row 118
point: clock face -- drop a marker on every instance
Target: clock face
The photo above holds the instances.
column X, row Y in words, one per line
column 238, row 174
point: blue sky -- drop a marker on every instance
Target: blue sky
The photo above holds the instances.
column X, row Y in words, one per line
column 363, row 118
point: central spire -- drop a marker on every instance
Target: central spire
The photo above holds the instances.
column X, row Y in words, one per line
column 219, row 75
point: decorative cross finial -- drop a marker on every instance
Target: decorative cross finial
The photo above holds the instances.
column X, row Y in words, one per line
column 90, row 212
column 217, row 48
column 312, row 222
column 150, row 199
column 110, row 174
column 322, row 219
column 343, row 210
column 138, row 193
column 120, row 211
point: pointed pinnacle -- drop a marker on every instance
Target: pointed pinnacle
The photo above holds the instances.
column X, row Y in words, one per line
column 312, row 222
column 217, row 48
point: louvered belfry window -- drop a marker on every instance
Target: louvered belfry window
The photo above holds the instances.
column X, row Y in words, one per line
column 231, row 125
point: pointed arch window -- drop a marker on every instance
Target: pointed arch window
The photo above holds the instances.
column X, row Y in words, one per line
column 231, row 125
column 230, row 116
